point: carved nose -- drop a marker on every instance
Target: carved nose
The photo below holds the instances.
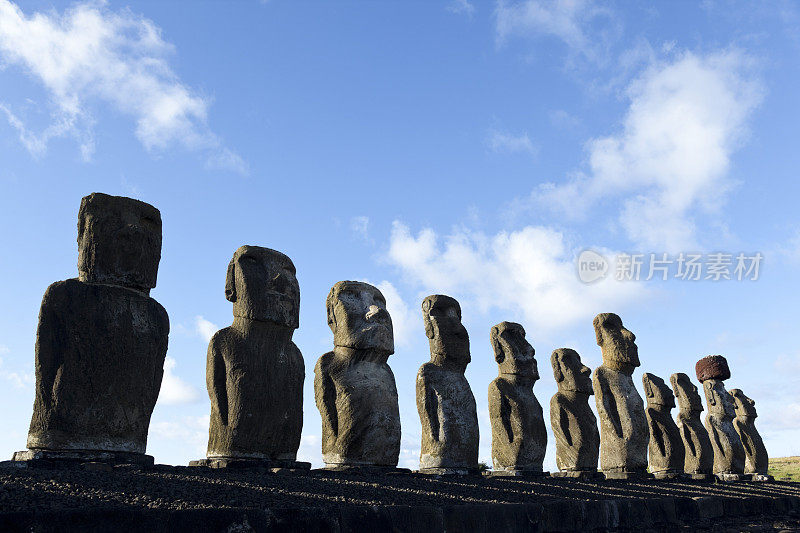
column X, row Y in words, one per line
column 373, row 311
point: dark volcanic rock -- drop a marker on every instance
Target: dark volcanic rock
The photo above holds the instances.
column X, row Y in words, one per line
column 101, row 340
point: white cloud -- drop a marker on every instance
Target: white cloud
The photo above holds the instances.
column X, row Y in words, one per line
column 463, row 7
column 671, row 159
column 18, row 380
column 567, row 20
column 204, row 328
column 174, row 390
column 90, row 54
column 310, row 450
column 531, row 271
column 360, row 227
column 500, row 141
column 191, row 431
column 404, row 322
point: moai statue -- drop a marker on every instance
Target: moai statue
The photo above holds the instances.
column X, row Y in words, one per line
column 254, row 372
column 101, row 341
column 698, row 453
column 727, row 445
column 353, row 385
column 519, row 436
column 445, row 402
column 573, row 422
column 666, row 446
column 756, row 462
column 623, row 426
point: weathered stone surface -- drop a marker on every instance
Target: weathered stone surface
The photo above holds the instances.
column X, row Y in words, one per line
column 698, row 453
column 756, row 458
column 445, row 402
column 254, row 371
column 727, row 445
column 573, row 422
column 666, row 446
column 101, row 340
column 623, row 426
column 519, row 436
column 354, row 387
column 712, row 367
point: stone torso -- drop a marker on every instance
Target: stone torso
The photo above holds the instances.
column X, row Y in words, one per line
column 366, row 429
column 756, row 458
column 451, row 438
column 100, row 353
column 578, row 447
column 727, row 445
column 519, row 436
column 666, row 446
column 623, row 427
column 698, row 453
column 256, row 386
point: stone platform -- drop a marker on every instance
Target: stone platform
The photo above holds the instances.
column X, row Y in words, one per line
column 167, row 498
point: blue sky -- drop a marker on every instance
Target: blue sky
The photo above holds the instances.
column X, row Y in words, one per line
column 459, row 147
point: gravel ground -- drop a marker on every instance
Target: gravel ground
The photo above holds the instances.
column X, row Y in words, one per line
column 43, row 490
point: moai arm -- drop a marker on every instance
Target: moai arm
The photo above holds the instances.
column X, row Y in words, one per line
column 325, row 395
column 658, row 436
column 49, row 347
column 689, row 439
column 427, row 406
column 563, row 425
column 606, row 403
column 216, row 379
column 499, row 409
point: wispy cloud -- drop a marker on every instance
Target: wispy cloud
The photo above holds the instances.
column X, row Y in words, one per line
column 204, row 328
column 570, row 21
column 404, row 322
column 461, row 7
column 686, row 117
column 504, row 142
column 90, row 54
column 360, row 227
column 174, row 390
column 531, row 272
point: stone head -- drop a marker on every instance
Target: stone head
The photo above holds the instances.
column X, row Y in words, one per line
column 616, row 343
column 262, row 284
column 358, row 317
column 119, row 241
column 712, row 367
column 744, row 406
column 513, row 353
column 719, row 400
column 446, row 334
column 570, row 373
column 656, row 391
column 686, row 392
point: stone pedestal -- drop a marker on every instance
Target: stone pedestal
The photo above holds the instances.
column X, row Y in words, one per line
column 581, row 475
column 235, row 463
column 67, row 458
column 509, row 472
column 437, row 471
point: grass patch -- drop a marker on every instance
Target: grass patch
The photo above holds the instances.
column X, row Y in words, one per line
column 785, row 468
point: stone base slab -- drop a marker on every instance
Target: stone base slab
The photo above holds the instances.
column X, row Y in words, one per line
column 761, row 477
column 700, row 477
column 729, row 478
column 627, row 476
column 67, row 458
column 526, row 474
column 366, row 470
column 449, row 471
column 238, row 463
column 668, row 475
column 581, row 475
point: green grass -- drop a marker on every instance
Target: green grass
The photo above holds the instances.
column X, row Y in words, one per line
column 785, row 468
